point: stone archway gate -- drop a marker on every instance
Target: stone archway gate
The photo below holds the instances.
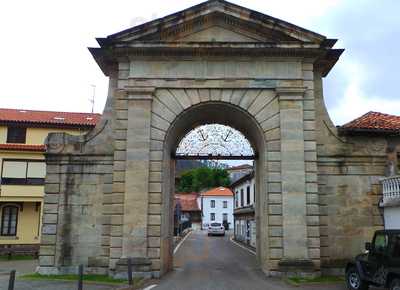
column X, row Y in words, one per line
column 106, row 191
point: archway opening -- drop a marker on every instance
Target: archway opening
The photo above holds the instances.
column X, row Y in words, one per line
column 226, row 141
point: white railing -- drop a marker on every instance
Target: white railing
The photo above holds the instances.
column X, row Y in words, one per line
column 391, row 189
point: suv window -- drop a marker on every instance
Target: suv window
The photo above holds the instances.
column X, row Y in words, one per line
column 396, row 246
column 381, row 243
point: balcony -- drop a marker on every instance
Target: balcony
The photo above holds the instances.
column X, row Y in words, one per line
column 391, row 191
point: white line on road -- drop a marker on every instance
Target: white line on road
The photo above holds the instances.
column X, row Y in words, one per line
column 241, row 246
column 150, row 287
column 181, row 242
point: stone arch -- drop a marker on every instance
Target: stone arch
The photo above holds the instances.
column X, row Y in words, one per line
column 254, row 112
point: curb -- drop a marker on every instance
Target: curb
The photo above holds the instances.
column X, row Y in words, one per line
column 241, row 246
column 181, row 242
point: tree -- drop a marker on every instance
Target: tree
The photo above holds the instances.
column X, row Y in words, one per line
column 203, row 178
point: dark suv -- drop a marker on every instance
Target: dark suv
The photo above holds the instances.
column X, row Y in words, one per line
column 379, row 266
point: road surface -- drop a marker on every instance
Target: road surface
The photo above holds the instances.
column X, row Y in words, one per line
column 215, row 263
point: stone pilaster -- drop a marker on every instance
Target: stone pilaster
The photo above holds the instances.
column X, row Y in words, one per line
column 294, row 210
column 136, row 200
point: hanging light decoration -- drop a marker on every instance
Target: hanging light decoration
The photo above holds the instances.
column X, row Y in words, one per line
column 215, row 140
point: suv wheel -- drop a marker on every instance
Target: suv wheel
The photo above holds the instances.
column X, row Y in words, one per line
column 353, row 280
column 395, row 284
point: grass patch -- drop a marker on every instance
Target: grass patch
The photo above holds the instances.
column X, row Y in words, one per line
column 18, row 258
column 88, row 278
column 297, row 281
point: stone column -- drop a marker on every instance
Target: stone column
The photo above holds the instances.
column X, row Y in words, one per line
column 294, row 206
column 134, row 233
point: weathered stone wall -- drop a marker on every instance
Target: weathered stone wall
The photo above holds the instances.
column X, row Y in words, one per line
column 349, row 170
column 73, row 212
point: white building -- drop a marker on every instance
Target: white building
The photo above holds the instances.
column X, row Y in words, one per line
column 244, row 211
column 217, row 206
column 391, row 202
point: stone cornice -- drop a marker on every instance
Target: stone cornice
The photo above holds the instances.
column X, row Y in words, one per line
column 107, row 57
column 140, row 93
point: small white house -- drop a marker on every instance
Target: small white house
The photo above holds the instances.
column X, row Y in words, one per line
column 217, row 206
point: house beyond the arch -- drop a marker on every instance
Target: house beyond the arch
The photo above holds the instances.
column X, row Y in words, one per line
column 109, row 194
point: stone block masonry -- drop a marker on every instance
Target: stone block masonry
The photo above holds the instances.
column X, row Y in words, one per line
column 109, row 194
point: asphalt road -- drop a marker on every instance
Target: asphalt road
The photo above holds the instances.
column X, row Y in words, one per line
column 215, row 263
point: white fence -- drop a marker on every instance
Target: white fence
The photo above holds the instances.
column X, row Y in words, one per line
column 391, row 190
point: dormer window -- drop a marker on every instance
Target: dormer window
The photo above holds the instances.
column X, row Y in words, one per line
column 16, row 134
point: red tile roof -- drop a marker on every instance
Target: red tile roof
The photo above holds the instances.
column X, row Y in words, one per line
column 188, row 201
column 219, row 191
column 374, row 122
column 48, row 117
column 22, row 147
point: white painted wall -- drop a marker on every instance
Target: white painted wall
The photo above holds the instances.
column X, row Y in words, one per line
column 237, row 192
column 392, row 217
column 219, row 210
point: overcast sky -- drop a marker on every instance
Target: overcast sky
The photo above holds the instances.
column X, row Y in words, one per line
column 45, row 64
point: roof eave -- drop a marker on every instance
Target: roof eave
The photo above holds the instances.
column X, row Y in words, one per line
column 43, row 124
column 366, row 131
column 98, row 54
column 328, row 61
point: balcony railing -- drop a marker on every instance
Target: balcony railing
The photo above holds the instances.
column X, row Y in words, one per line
column 391, row 191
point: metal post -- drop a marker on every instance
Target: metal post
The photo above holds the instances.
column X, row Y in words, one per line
column 11, row 282
column 9, row 254
column 130, row 278
column 80, row 277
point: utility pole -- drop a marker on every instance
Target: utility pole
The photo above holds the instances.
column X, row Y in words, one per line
column 93, row 97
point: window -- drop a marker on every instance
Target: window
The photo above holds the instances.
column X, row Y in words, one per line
column 398, row 163
column 225, row 204
column 241, row 197
column 254, row 193
column 212, row 216
column 225, row 217
column 396, row 246
column 16, row 134
column 212, row 203
column 9, row 220
column 380, row 243
column 237, row 199
column 248, row 195
column 30, row 172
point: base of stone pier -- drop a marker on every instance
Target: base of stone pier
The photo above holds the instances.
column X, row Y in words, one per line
column 297, row 268
column 141, row 267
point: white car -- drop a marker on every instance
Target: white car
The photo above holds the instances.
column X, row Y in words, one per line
column 216, row 229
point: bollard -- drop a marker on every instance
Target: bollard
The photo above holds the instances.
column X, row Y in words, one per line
column 130, row 278
column 80, row 277
column 11, row 282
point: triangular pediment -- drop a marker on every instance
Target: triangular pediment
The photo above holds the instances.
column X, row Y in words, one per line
column 215, row 28
column 216, row 34
column 217, row 21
